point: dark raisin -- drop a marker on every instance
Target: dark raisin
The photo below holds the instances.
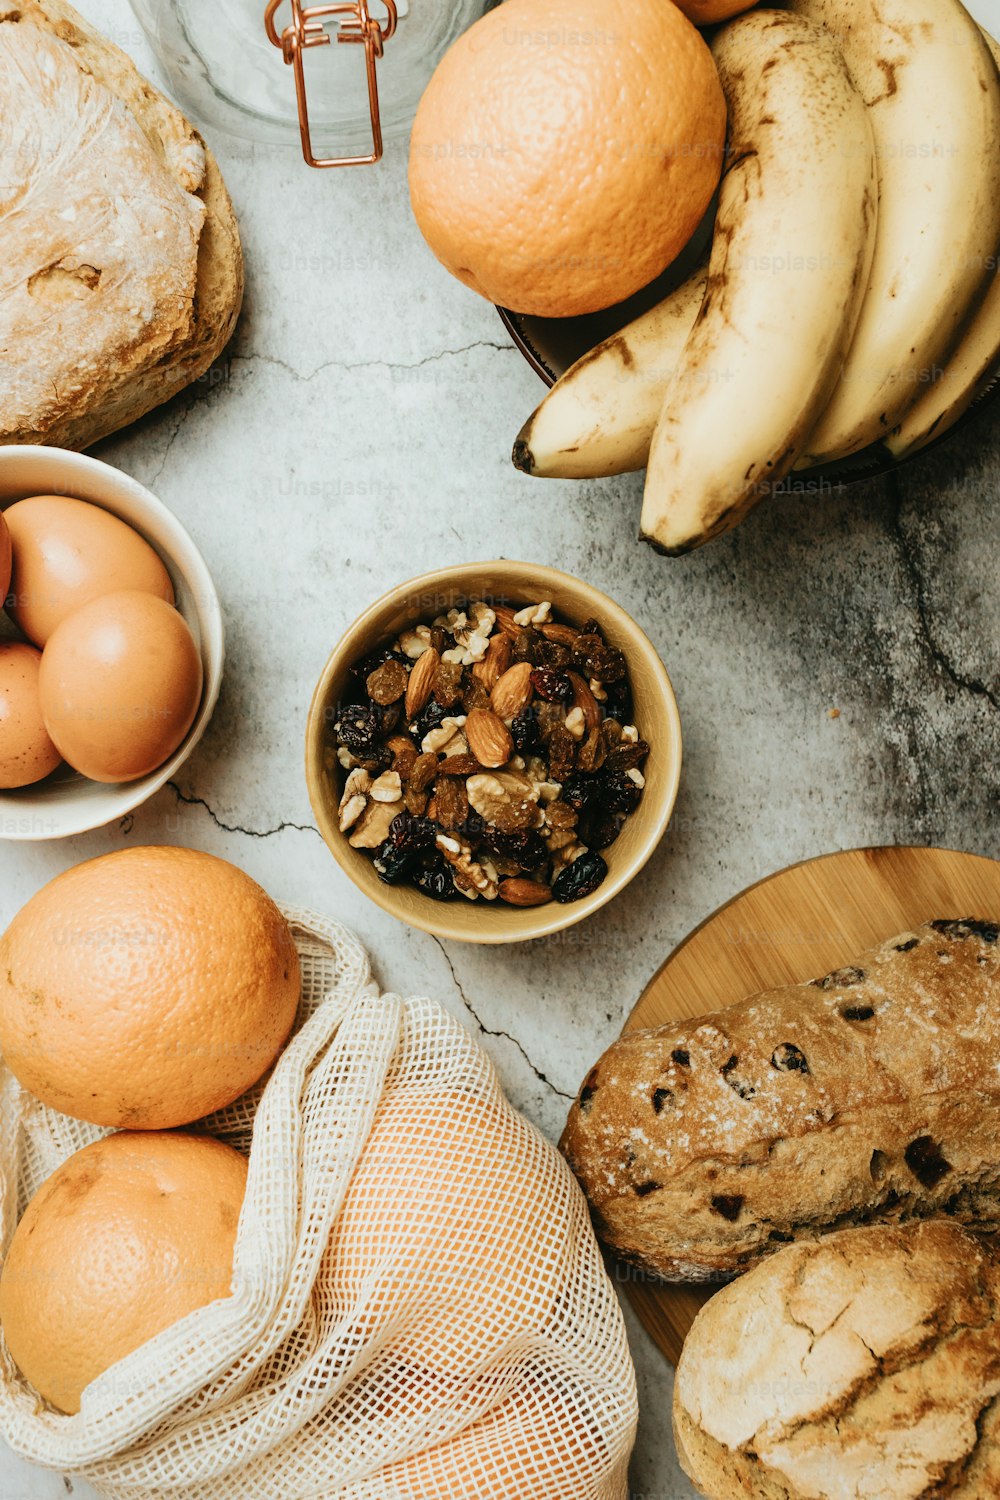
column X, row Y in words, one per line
column 523, row 846
column 905, row 947
column 925, row 1161
column 588, row 1091
column 661, row 1097
column 857, row 1012
column 840, row 979
column 552, row 686
column 963, row 927
column 789, row 1059
column 393, row 864
column 435, row 881
column 526, row 644
column 580, row 790
column 363, row 669
column 553, row 654
column 429, row 718
column 628, row 755
column 524, row 731
column 580, row 878
column 738, row 1085
column 619, row 792
column 387, row 716
column 643, row 1189
column 618, row 701
column 410, row 833
column 681, row 1057
column 599, row 829
column 358, row 729
column 728, row 1206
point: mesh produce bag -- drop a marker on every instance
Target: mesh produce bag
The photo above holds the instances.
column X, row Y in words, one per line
column 419, row 1308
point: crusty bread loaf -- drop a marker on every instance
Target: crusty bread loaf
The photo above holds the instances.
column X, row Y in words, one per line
column 123, row 274
column 862, row 1367
column 873, row 1093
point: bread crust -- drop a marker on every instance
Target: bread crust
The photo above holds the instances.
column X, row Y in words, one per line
column 872, row 1094
column 80, row 368
column 862, row 1367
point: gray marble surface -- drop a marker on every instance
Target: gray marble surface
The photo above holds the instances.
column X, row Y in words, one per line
column 358, row 432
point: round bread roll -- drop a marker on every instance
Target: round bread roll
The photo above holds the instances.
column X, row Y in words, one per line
column 865, row 1366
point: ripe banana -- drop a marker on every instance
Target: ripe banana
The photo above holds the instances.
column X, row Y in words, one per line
column 934, row 99
column 966, row 373
column 598, row 419
column 792, row 250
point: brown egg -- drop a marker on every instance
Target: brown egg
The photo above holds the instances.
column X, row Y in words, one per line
column 120, row 685
column 67, row 552
column 26, row 751
column 5, row 559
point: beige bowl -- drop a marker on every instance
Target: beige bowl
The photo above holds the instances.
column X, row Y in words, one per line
column 655, row 714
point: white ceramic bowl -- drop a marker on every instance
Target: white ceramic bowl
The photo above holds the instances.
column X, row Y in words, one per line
column 67, row 803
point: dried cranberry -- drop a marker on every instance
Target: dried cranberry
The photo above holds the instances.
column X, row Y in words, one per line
column 522, row 847
column 525, row 732
column 580, row 878
column 435, row 880
column 552, row 686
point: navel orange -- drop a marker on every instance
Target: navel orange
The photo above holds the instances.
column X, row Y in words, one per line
column 146, row 988
column 126, row 1238
column 563, row 155
column 446, row 1227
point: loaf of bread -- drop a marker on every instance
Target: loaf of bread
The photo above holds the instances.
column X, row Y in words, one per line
column 122, row 267
column 870, row 1094
column 862, row 1367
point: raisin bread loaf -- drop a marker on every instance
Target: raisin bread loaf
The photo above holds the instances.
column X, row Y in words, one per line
column 873, row 1093
column 123, row 274
column 864, row 1367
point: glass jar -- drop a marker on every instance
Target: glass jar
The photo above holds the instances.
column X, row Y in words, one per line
column 225, row 62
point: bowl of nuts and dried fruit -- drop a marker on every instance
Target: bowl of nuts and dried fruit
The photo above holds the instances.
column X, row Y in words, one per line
column 493, row 751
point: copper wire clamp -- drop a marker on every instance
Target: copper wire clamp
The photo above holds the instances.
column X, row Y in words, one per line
column 306, row 29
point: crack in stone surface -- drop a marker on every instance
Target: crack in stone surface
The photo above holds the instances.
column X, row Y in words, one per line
column 189, row 800
column 961, row 680
column 488, row 1031
column 368, row 364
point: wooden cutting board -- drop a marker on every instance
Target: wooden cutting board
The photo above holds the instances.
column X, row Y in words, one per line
column 789, row 928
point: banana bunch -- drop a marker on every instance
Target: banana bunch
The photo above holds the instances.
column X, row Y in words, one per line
column 850, row 295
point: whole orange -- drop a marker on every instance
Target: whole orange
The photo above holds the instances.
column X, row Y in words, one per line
column 126, row 1238
column 6, row 559
column 707, row 12
column 563, row 155
column 146, row 988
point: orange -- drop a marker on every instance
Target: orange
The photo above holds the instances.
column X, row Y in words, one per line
column 6, row 559
column 563, row 155
column 146, row 988
column 457, row 1223
column 707, row 12
column 126, row 1238
column 536, row 1445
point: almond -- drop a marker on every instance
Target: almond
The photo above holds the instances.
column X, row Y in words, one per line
column 418, row 689
column 519, row 892
column 505, row 619
column 563, row 635
column 583, row 698
column 489, row 738
column 513, row 691
column 495, row 663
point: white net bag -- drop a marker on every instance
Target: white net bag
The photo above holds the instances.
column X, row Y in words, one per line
column 419, row 1307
